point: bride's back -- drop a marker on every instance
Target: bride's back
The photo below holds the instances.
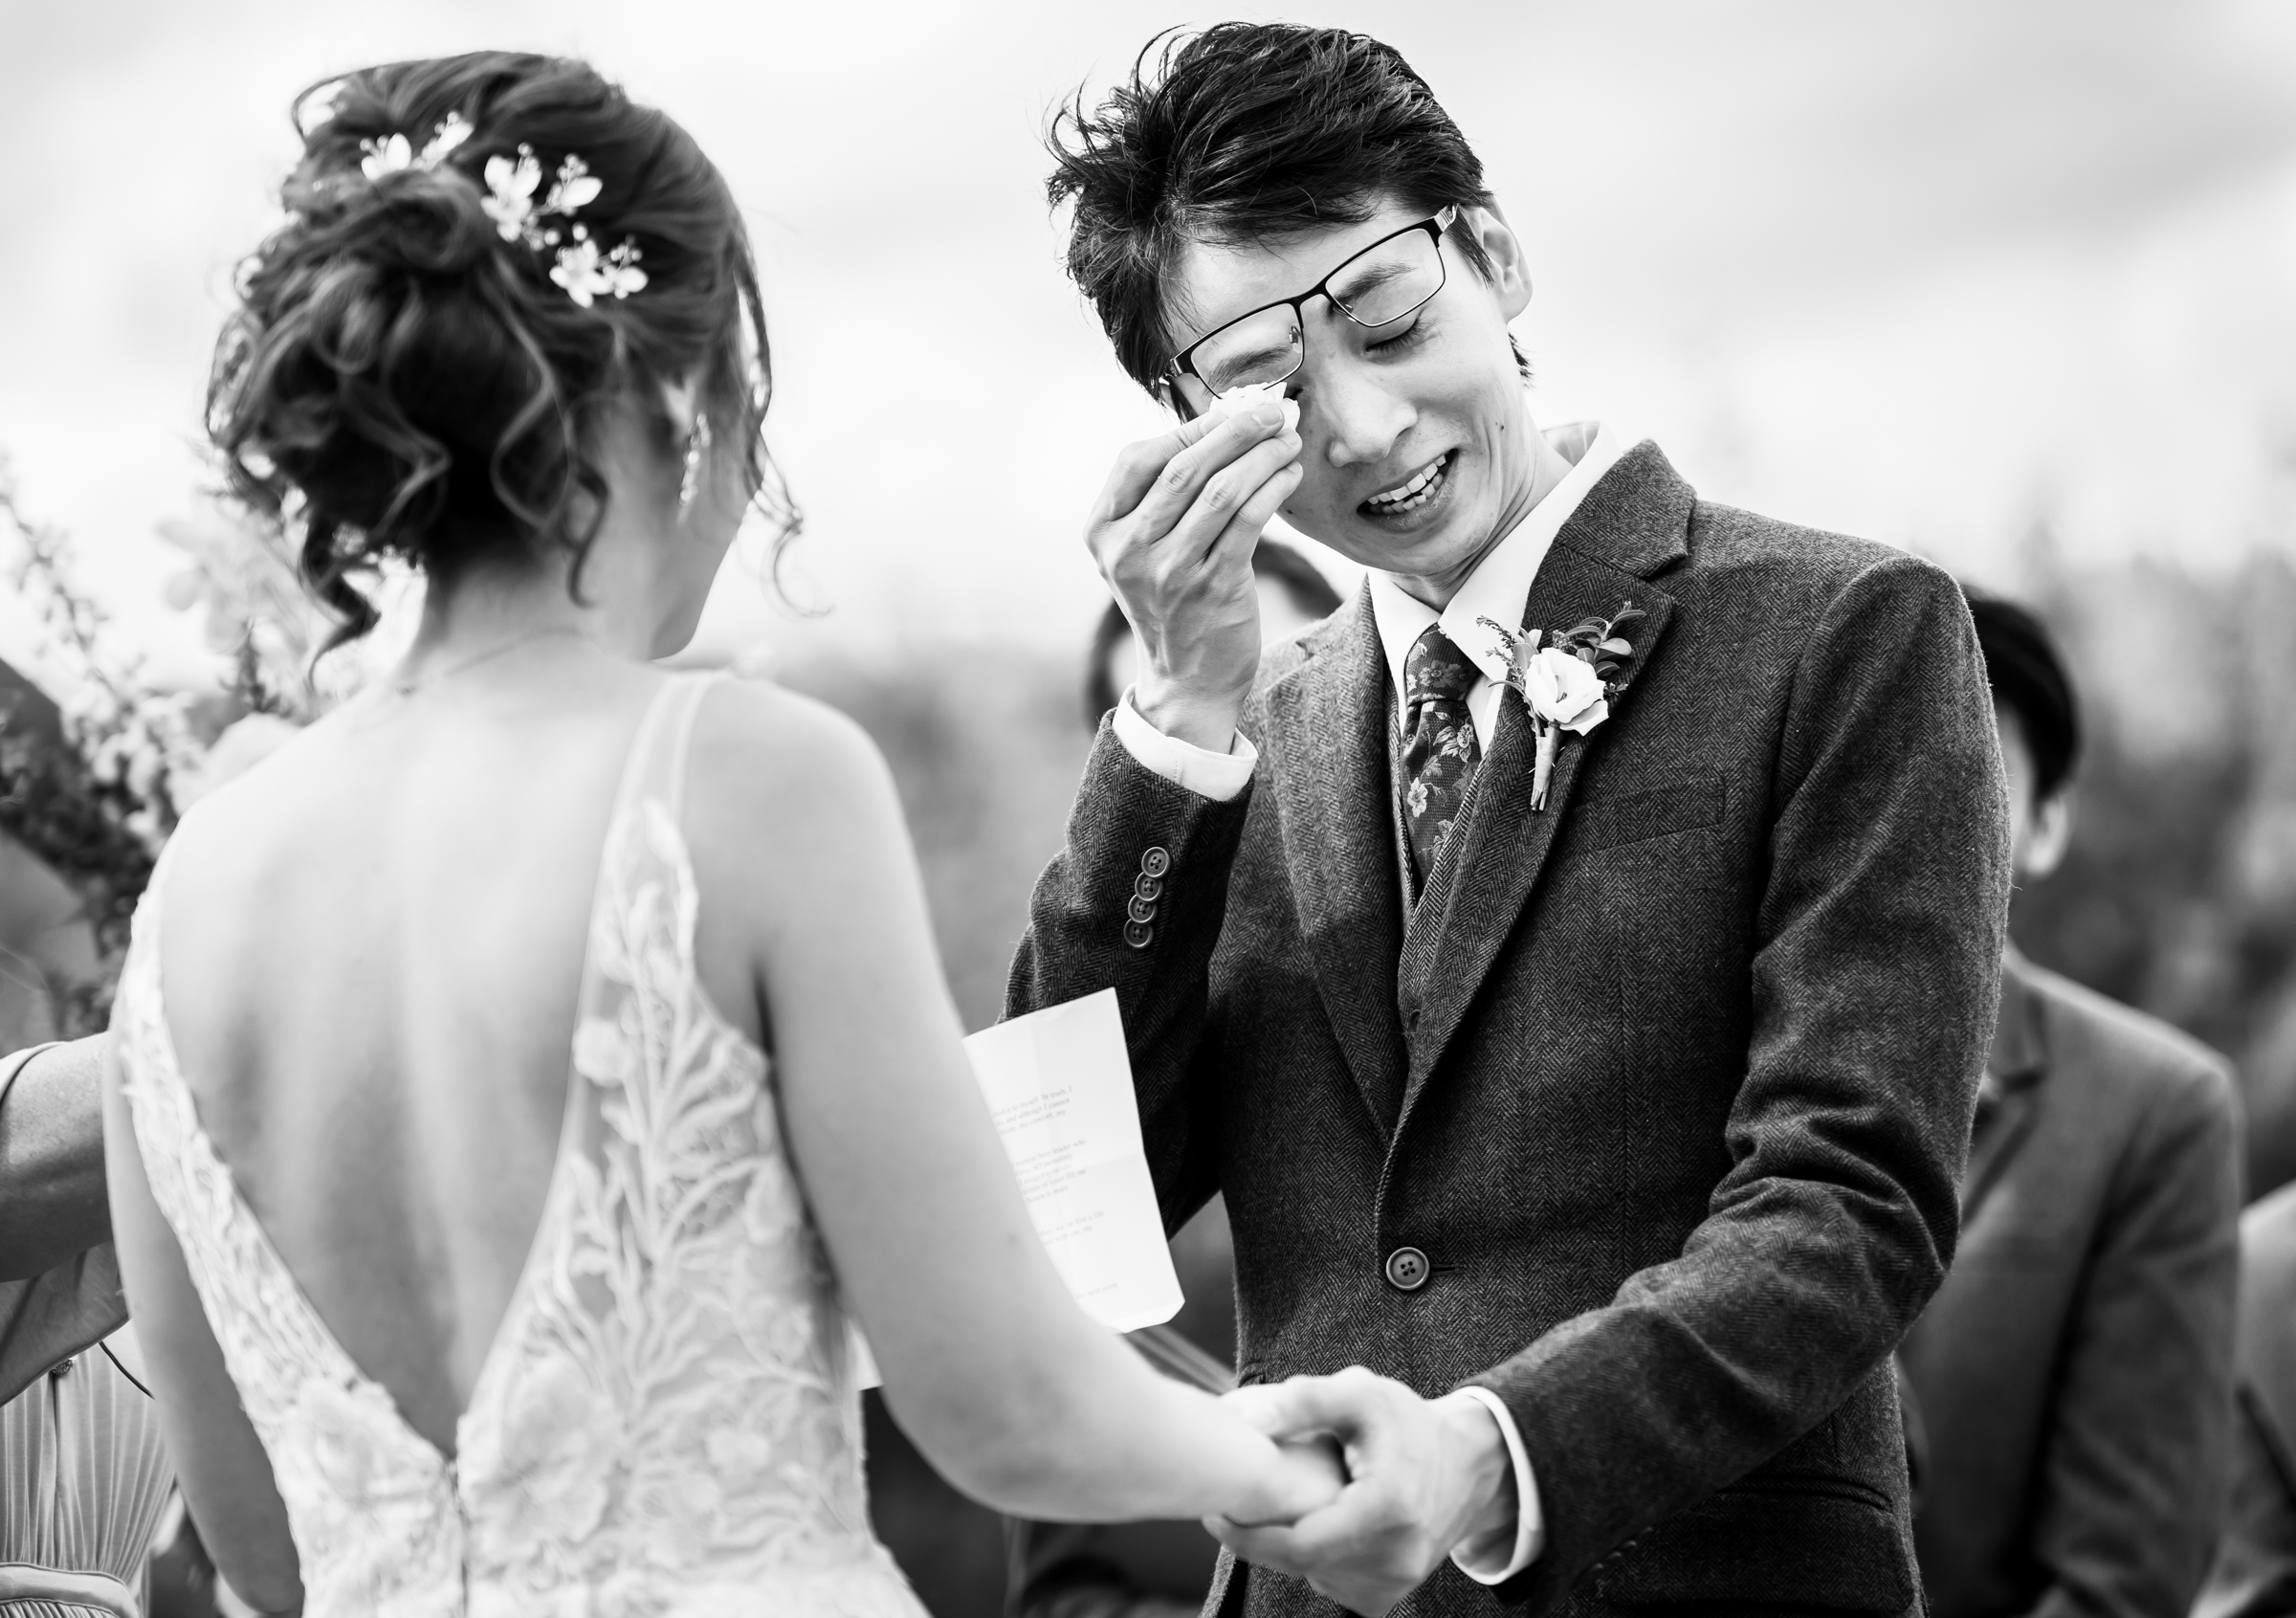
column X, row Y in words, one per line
column 371, row 956
column 490, row 340
column 447, row 1172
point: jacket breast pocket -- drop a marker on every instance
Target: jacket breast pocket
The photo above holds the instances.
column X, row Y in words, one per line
column 1779, row 1547
column 1656, row 812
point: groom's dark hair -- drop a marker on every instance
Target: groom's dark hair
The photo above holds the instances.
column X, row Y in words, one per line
column 2027, row 673
column 1245, row 132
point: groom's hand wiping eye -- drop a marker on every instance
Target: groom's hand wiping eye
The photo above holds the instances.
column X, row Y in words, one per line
column 1173, row 533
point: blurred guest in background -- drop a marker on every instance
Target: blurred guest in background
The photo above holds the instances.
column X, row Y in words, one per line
column 2074, row 1372
column 60, row 1291
column 83, row 1471
column 84, row 1474
column 1160, row 1569
column 46, row 945
column 2255, row 1575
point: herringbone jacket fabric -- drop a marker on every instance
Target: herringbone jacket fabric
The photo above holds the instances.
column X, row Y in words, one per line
column 1669, row 1083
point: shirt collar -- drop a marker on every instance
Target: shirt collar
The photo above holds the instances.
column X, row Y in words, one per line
column 2019, row 1052
column 1500, row 587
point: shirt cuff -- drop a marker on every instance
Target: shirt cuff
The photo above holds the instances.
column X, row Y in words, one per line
column 1480, row 1561
column 1216, row 776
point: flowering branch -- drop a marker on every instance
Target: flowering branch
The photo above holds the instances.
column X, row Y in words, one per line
column 97, row 804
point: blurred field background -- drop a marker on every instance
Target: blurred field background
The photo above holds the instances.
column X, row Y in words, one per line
column 2010, row 286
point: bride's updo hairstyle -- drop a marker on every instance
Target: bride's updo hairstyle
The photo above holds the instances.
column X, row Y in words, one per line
column 425, row 351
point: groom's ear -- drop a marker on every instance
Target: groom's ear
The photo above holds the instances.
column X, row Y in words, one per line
column 2049, row 834
column 1509, row 277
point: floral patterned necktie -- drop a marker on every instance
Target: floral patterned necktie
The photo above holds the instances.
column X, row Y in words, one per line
column 1439, row 750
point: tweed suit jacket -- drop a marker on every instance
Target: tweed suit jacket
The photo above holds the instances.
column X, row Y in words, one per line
column 2075, row 1371
column 1669, row 1082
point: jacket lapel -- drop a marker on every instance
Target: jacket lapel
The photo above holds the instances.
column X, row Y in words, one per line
column 1327, row 738
column 1630, row 525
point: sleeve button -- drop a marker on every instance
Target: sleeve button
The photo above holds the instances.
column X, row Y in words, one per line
column 1147, row 886
column 1154, row 862
column 1137, row 934
column 1140, row 910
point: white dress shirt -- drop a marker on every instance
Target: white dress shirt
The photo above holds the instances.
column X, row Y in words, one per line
column 1499, row 588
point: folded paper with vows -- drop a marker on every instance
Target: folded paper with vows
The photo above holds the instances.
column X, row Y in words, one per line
column 1058, row 1084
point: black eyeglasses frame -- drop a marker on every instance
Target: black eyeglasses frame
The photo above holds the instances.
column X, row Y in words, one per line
column 1184, row 363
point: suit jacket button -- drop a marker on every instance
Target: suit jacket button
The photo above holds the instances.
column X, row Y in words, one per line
column 1407, row 1268
column 1154, row 862
column 1139, row 909
column 1137, row 934
column 1147, row 886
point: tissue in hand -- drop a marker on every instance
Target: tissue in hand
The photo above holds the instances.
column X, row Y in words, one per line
column 1237, row 401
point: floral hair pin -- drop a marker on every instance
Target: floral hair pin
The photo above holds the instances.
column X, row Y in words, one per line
column 1568, row 684
column 393, row 155
column 585, row 271
column 582, row 269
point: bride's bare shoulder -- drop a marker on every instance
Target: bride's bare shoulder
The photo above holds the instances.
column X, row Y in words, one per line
column 253, row 784
column 767, row 759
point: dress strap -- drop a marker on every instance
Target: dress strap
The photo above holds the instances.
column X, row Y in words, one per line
column 656, row 764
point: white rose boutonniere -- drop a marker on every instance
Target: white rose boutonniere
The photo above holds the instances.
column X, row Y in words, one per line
column 1564, row 691
column 1569, row 683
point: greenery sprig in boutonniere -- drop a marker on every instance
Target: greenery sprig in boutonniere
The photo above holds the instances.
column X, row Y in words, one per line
column 1569, row 683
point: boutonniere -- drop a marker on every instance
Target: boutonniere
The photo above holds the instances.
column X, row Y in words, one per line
column 1568, row 683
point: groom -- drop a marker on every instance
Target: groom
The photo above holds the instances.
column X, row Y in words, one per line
column 1594, row 1070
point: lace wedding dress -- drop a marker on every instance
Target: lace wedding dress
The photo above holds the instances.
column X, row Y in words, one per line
column 667, row 1421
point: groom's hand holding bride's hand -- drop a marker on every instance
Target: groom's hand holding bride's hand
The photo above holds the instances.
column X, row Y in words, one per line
column 1173, row 533
column 1425, row 1477
column 1307, row 1476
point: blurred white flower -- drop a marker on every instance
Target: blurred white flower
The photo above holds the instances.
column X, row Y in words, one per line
column 574, row 187
column 510, row 187
column 393, row 154
column 387, row 156
column 449, row 135
column 586, row 274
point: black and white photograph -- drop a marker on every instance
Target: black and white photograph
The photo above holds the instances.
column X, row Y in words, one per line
column 1019, row 811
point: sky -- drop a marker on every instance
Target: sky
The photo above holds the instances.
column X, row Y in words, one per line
column 1945, row 275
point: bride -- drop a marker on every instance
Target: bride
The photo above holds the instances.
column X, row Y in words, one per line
column 519, row 1077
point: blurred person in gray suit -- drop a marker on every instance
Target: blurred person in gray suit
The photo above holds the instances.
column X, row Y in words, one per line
column 2255, row 1571
column 1159, row 1569
column 83, row 1470
column 2074, row 1372
column 1574, row 959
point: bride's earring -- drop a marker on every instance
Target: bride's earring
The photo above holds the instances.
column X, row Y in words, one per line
column 698, row 449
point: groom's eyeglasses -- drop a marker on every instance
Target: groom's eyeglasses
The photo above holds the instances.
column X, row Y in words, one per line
column 1394, row 276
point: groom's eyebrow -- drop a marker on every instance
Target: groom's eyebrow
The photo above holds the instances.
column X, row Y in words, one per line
column 1370, row 278
column 1268, row 351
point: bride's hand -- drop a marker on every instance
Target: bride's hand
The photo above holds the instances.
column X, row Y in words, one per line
column 1307, row 1476
column 1303, row 1456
